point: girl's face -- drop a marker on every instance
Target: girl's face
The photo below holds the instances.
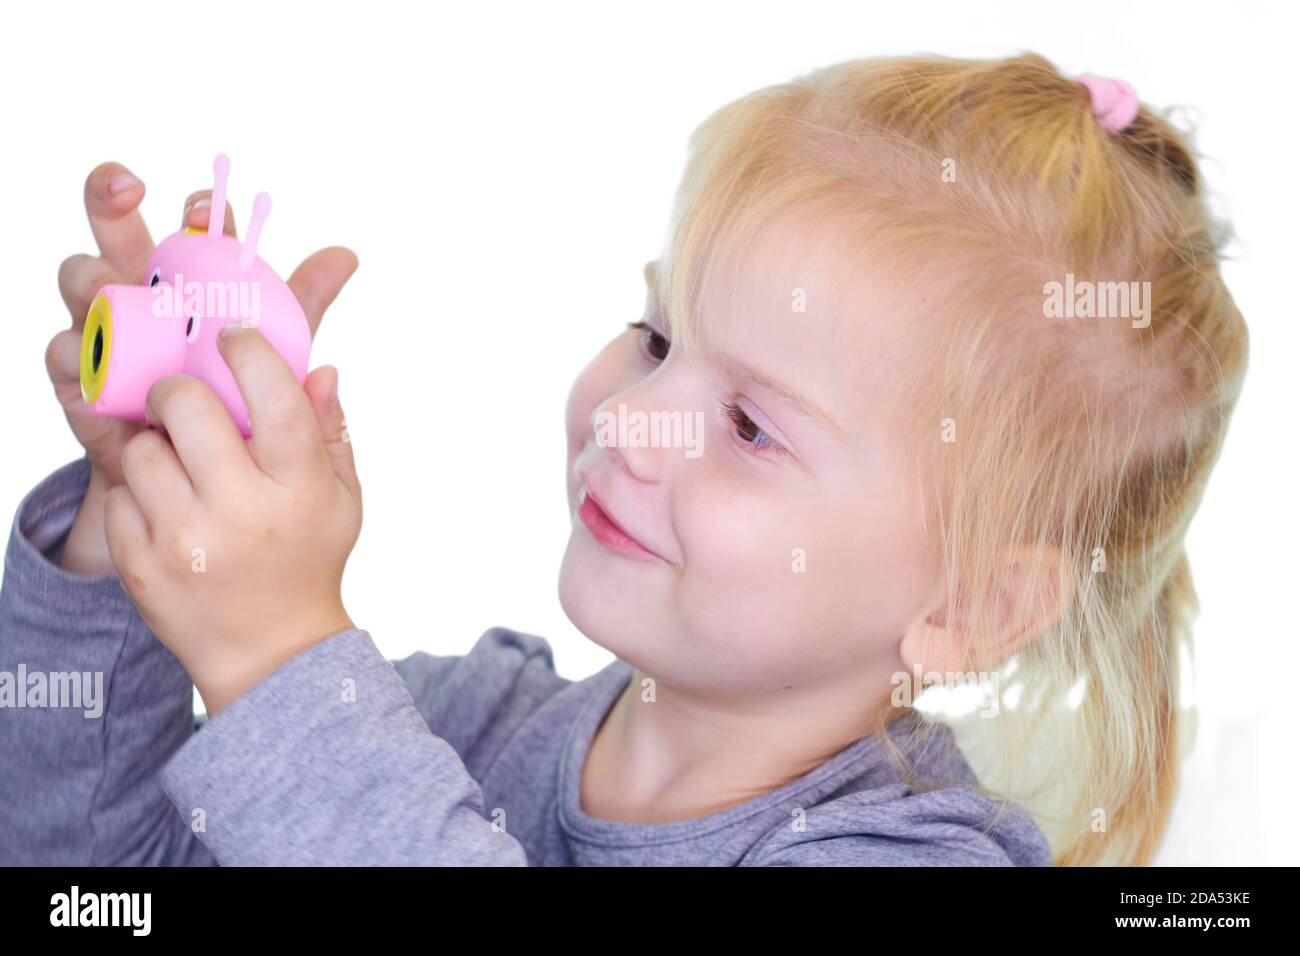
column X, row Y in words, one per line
column 779, row 542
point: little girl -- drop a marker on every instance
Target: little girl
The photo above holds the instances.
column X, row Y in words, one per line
column 915, row 469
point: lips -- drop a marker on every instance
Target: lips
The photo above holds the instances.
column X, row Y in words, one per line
column 606, row 529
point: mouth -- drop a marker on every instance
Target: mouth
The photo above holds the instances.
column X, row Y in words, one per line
column 607, row 531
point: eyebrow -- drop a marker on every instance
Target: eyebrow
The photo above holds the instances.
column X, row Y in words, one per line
column 740, row 369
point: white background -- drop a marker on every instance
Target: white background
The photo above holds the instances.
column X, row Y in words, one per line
column 503, row 172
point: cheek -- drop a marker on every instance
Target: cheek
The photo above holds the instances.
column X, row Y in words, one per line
column 741, row 537
column 725, row 513
column 789, row 571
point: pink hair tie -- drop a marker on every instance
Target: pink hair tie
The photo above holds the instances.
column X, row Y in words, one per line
column 1114, row 102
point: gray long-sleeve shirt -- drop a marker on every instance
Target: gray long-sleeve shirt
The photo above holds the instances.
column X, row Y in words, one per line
column 343, row 757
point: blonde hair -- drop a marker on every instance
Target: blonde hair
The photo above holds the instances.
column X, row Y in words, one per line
column 1087, row 438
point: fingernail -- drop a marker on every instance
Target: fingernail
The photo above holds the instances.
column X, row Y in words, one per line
column 334, row 390
column 201, row 204
column 121, row 183
column 229, row 329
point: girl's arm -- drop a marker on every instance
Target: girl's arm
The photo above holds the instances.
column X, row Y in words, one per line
column 76, row 788
column 331, row 761
column 338, row 757
column 314, row 750
column 91, row 706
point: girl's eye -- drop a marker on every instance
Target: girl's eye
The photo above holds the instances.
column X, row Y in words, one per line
column 655, row 345
column 749, row 434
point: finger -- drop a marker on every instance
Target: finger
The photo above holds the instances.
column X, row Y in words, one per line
column 322, row 389
column 113, row 197
column 198, row 209
column 155, row 475
column 286, row 439
column 127, row 533
column 80, row 279
column 63, row 358
column 208, row 445
column 63, row 363
column 320, row 278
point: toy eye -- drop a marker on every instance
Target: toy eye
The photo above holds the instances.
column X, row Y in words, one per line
column 192, row 328
column 155, row 277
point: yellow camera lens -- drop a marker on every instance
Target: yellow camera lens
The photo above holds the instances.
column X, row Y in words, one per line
column 96, row 343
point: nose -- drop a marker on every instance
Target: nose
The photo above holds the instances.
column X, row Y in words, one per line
column 648, row 426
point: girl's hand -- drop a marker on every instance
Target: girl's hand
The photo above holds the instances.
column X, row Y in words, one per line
column 233, row 549
column 112, row 197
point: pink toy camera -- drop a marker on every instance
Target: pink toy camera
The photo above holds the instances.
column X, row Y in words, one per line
column 196, row 282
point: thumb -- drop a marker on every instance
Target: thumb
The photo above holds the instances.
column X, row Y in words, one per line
column 322, row 388
column 319, row 280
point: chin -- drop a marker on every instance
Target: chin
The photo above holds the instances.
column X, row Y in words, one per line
column 603, row 600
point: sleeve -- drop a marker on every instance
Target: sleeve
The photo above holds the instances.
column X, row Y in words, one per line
column 476, row 701
column 91, row 706
column 342, row 757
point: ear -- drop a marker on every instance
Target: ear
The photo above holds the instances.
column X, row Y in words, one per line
column 1027, row 598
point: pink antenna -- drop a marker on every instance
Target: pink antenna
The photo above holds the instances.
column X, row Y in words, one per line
column 261, row 209
column 217, row 215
